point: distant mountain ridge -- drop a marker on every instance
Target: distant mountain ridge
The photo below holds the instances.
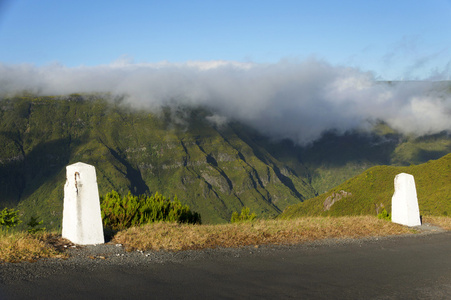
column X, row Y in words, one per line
column 214, row 169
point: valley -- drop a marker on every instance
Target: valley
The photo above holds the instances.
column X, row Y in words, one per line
column 214, row 168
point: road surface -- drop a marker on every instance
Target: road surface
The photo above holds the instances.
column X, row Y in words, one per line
column 407, row 267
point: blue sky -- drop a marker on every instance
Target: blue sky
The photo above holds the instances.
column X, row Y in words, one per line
column 394, row 39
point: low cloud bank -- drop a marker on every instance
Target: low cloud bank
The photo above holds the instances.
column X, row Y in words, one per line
column 295, row 100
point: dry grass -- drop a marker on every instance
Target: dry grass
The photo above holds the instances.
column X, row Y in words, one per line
column 21, row 246
column 441, row 221
column 174, row 237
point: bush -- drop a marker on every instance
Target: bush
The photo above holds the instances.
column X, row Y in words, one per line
column 384, row 215
column 9, row 218
column 33, row 225
column 245, row 216
column 123, row 212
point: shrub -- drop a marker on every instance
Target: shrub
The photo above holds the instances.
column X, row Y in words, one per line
column 33, row 225
column 9, row 218
column 244, row 216
column 123, row 212
column 384, row 215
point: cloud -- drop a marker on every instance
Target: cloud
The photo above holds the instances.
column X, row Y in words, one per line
column 298, row 100
column 407, row 46
column 407, row 57
column 217, row 120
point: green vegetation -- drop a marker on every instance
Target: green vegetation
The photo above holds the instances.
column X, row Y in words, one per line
column 335, row 158
column 119, row 213
column 244, row 216
column 9, row 218
column 34, row 225
column 384, row 215
column 214, row 170
column 371, row 192
column 176, row 152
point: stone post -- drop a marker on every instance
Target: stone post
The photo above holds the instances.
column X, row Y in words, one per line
column 82, row 221
column 404, row 203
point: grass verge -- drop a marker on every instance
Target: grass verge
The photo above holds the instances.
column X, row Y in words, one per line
column 21, row 246
column 441, row 221
column 175, row 237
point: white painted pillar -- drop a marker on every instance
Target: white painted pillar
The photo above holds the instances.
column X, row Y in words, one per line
column 404, row 203
column 82, row 221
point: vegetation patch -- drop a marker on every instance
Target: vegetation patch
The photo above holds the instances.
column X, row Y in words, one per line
column 441, row 221
column 371, row 192
column 384, row 215
column 175, row 237
column 244, row 216
column 9, row 217
column 123, row 212
column 21, row 246
column 179, row 152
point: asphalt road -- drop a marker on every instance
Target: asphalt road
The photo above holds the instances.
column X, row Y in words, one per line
column 413, row 267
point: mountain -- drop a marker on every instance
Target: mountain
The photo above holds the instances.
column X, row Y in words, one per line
column 214, row 168
column 372, row 190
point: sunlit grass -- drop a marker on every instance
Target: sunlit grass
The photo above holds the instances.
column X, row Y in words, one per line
column 175, row 237
column 441, row 221
column 21, row 246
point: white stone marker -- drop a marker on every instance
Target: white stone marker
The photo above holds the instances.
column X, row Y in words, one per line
column 82, row 221
column 404, row 203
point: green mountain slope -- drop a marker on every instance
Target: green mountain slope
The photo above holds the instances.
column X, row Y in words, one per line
column 335, row 158
column 211, row 169
column 371, row 191
column 216, row 170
